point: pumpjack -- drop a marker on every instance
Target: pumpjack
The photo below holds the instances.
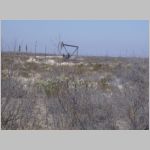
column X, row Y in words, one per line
column 67, row 54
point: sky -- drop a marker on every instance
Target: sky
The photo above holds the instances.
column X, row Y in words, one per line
column 94, row 37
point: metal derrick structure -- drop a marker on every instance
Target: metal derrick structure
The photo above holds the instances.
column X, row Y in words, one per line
column 67, row 55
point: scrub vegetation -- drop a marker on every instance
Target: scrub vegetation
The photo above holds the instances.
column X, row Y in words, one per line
column 89, row 93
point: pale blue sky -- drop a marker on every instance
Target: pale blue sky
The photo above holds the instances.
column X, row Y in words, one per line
column 94, row 37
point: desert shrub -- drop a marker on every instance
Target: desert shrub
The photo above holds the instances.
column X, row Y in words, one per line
column 104, row 84
column 52, row 87
column 80, row 69
column 137, row 108
column 17, row 107
column 12, row 88
column 97, row 67
column 79, row 111
column 24, row 74
column 31, row 66
column 6, row 61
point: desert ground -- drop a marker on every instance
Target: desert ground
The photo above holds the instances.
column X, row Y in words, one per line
column 86, row 93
